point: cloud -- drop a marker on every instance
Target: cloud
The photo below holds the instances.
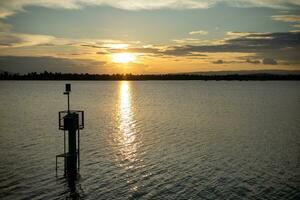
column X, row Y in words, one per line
column 233, row 34
column 8, row 39
column 264, row 3
column 5, row 27
column 252, row 61
column 25, row 64
column 191, row 41
column 284, row 46
column 198, row 32
column 286, row 18
column 9, row 7
column 147, row 50
column 11, row 40
column 93, row 46
column 102, row 53
column 218, row 62
column 296, row 25
column 269, row 61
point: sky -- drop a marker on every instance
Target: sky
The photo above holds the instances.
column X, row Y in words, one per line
column 148, row 37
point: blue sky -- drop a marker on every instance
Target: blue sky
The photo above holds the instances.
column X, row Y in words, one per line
column 162, row 37
column 109, row 22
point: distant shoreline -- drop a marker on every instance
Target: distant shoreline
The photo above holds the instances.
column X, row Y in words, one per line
column 143, row 77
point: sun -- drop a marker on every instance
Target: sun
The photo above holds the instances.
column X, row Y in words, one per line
column 123, row 57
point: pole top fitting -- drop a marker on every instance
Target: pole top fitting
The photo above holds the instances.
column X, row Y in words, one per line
column 68, row 88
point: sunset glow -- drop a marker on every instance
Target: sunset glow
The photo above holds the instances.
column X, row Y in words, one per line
column 123, row 57
column 149, row 37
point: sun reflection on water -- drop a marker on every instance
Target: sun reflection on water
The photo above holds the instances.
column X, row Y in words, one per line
column 127, row 131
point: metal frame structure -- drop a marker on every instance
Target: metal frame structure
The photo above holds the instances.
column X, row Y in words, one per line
column 70, row 122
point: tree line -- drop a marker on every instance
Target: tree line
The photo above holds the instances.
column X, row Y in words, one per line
column 86, row 76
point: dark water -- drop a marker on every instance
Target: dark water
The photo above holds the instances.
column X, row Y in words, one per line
column 154, row 140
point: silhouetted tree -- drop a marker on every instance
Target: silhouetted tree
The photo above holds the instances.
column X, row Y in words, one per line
column 73, row 76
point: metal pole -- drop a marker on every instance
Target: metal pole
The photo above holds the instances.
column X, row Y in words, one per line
column 65, row 153
column 68, row 103
column 78, row 138
column 72, row 146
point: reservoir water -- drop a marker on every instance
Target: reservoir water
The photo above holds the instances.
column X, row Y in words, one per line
column 154, row 139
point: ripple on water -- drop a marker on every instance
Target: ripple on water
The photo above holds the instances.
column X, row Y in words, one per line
column 155, row 140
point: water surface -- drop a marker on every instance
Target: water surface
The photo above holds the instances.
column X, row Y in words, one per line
column 154, row 140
